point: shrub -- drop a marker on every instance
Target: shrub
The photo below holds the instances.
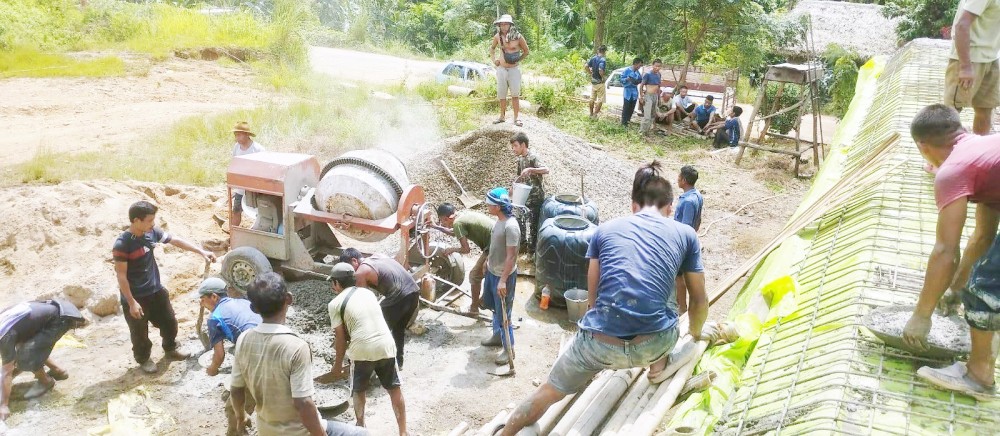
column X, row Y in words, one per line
column 785, row 122
column 845, row 76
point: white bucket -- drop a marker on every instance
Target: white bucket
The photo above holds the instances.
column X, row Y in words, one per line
column 520, row 195
column 576, row 303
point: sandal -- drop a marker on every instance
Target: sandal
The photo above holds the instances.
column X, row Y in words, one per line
column 59, row 375
column 518, row 123
column 38, row 389
column 498, row 120
column 956, row 378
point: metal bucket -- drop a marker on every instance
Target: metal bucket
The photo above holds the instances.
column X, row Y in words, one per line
column 576, row 303
column 520, row 195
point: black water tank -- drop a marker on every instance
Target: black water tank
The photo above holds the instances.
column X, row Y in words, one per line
column 561, row 255
column 569, row 204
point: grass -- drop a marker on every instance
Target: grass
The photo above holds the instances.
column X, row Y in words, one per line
column 29, row 62
column 611, row 135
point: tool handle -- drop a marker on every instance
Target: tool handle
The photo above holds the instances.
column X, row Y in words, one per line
column 505, row 334
column 452, row 175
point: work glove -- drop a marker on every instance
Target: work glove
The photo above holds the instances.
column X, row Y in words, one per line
column 915, row 332
column 949, row 303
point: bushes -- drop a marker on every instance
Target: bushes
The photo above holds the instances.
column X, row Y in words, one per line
column 785, row 122
column 845, row 76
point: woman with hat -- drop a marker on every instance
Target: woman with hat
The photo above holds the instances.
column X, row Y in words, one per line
column 514, row 48
column 244, row 145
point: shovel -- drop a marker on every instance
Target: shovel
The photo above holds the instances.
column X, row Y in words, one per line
column 467, row 199
column 505, row 334
column 202, row 335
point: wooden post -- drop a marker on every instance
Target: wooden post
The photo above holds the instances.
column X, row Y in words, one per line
column 817, row 124
column 753, row 122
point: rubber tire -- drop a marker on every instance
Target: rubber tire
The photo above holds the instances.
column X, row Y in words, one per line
column 244, row 260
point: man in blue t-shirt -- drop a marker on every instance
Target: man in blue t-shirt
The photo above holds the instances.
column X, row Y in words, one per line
column 632, row 321
column 229, row 317
column 143, row 298
column 651, row 96
column 730, row 132
column 597, row 67
column 688, row 211
column 703, row 115
column 630, row 79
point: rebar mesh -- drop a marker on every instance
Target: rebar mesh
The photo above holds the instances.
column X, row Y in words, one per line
column 818, row 371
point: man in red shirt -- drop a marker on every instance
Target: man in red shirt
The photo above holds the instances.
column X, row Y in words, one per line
column 968, row 172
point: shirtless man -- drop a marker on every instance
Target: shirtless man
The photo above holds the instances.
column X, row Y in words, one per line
column 650, row 86
column 513, row 49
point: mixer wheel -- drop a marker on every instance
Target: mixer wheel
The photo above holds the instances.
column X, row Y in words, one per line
column 242, row 265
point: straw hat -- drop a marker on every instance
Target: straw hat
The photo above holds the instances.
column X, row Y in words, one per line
column 505, row 18
column 244, row 127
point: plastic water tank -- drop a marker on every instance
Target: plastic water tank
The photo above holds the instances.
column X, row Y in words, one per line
column 561, row 255
column 364, row 184
column 569, row 204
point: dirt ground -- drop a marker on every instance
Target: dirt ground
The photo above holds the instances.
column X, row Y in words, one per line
column 82, row 114
column 57, row 241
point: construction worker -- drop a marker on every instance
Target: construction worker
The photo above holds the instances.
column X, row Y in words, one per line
column 244, row 145
column 144, row 300
column 632, row 321
column 530, row 170
column 361, row 334
column 28, row 333
column 273, row 365
column 597, row 70
column 387, row 277
column 501, row 269
column 513, row 49
column 467, row 225
column 688, row 211
column 973, row 75
column 968, row 172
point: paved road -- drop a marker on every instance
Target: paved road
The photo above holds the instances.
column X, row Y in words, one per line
column 370, row 67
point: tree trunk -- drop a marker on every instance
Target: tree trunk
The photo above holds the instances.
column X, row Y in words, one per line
column 601, row 8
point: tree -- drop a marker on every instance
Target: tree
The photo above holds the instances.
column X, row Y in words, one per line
column 922, row 18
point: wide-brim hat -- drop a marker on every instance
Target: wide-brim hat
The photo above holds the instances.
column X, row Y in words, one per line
column 505, row 18
column 244, row 127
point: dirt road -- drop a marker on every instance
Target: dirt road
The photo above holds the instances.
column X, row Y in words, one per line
column 370, row 67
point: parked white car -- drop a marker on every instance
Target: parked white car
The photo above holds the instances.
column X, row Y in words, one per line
column 465, row 73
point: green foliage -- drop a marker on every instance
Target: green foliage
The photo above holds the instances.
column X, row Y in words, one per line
column 785, row 122
column 28, row 62
column 431, row 91
column 921, row 18
column 845, row 76
column 153, row 28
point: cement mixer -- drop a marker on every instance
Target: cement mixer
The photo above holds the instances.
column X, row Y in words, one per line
column 364, row 194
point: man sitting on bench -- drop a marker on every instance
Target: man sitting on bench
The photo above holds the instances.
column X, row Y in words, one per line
column 683, row 104
column 703, row 115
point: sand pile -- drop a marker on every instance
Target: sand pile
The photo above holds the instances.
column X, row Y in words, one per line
column 482, row 160
column 56, row 240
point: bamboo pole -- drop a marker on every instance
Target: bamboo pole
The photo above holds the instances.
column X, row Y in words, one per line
column 459, row 429
column 487, row 429
column 582, row 402
column 609, row 396
column 644, row 400
column 665, row 397
column 550, row 418
column 626, row 406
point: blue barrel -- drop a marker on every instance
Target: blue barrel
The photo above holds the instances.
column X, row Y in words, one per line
column 561, row 256
column 569, row 204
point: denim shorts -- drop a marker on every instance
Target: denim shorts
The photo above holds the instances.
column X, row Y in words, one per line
column 587, row 356
column 981, row 297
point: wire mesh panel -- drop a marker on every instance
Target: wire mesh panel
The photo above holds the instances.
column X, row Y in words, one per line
column 817, row 371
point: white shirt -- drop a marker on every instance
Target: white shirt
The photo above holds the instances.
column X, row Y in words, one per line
column 239, row 151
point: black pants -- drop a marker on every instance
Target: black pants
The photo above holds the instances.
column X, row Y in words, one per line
column 627, row 111
column 31, row 353
column 156, row 309
column 398, row 316
column 722, row 138
column 528, row 220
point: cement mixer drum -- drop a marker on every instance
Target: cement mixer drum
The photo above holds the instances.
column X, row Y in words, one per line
column 364, row 184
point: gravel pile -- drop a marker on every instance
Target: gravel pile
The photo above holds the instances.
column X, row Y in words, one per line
column 311, row 298
column 482, row 160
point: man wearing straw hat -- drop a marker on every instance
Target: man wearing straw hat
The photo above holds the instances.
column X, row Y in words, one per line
column 513, row 49
column 244, row 145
